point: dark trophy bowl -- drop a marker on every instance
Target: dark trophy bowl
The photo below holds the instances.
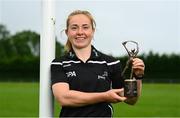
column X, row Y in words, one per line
column 130, row 88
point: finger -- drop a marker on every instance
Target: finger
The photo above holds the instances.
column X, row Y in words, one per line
column 122, row 99
column 118, row 90
column 138, row 63
column 119, row 98
column 138, row 68
column 138, row 72
column 137, row 60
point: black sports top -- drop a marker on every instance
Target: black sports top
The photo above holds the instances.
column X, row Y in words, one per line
column 99, row 73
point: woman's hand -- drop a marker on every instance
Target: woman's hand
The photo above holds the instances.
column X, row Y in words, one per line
column 138, row 67
column 115, row 95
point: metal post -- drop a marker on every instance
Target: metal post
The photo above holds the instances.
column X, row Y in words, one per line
column 47, row 54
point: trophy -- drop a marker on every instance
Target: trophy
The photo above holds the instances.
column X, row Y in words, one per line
column 130, row 88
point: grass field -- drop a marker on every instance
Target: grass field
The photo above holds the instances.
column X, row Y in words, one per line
column 157, row 100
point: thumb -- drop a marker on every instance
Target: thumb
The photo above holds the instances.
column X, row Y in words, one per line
column 123, row 99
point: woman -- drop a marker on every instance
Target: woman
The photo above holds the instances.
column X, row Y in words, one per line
column 85, row 81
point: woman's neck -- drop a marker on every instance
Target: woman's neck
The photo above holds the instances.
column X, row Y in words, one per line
column 84, row 53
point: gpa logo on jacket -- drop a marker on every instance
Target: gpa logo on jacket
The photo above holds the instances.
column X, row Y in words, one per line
column 71, row 74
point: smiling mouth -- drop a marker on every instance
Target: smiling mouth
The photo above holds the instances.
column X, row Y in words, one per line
column 80, row 38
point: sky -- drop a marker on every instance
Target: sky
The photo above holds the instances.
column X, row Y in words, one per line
column 154, row 24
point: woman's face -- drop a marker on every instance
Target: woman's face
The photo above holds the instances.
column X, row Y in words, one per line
column 80, row 31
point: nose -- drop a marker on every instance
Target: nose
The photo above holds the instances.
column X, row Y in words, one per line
column 80, row 31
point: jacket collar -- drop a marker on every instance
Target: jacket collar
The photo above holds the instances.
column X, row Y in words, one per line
column 94, row 54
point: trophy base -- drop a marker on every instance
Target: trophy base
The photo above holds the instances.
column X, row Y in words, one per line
column 130, row 88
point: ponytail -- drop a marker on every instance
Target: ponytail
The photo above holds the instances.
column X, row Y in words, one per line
column 68, row 46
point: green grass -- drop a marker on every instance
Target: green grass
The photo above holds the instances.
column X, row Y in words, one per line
column 19, row 99
column 157, row 100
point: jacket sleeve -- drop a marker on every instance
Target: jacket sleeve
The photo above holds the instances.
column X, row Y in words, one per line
column 115, row 75
column 57, row 73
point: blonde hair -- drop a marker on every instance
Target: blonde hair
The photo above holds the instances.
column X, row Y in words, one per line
column 68, row 46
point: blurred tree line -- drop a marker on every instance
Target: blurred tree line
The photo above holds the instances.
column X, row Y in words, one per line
column 19, row 55
column 19, row 58
column 159, row 68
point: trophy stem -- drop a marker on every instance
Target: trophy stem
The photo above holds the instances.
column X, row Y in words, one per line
column 126, row 67
column 131, row 76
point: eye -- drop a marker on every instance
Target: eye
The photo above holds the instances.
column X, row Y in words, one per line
column 86, row 27
column 73, row 28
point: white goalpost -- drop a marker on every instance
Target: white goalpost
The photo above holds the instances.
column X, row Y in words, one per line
column 47, row 54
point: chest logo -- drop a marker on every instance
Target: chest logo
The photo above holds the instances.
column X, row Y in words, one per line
column 103, row 76
column 71, row 74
